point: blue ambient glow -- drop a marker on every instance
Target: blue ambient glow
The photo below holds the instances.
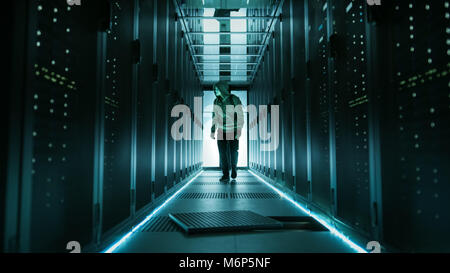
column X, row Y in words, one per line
column 315, row 216
column 136, row 228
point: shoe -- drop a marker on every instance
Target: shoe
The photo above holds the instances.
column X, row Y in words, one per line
column 225, row 178
column 233, row 174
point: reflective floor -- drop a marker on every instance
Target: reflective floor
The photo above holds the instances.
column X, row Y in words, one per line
column 161, row 235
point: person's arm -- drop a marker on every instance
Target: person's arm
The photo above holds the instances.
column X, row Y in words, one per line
column 213, row 123
column 240, row 116
column 213, row 120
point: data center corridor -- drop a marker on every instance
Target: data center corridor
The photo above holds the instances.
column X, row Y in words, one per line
column 109, row 111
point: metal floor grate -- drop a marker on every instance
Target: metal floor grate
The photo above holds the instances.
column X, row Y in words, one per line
column 220, row 175
column 223, row 221
column 203, row 195
column 254, row 195
column 205, row 183
column 224, row 195
column 161, row 224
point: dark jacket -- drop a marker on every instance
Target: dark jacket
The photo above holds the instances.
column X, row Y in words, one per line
column 231, row 120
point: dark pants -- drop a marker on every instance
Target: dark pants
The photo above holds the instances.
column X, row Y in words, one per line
column 228, row 151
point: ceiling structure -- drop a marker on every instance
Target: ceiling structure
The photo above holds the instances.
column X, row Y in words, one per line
column 227, row 38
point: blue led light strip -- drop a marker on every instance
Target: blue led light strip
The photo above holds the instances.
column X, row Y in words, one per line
column 143, row 222
column 333, row 230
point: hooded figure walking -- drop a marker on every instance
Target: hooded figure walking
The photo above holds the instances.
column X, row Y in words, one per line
column 228, row 119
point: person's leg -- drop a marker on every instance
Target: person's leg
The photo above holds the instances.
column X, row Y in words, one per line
column 229, row 159
column 223, row 157
column 234, row 153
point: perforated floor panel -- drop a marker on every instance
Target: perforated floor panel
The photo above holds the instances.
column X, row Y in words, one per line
column 225, row 195
column 254, row 195
column 161, row 224
column 203, row 195
column 238, row 220
column 232, row 183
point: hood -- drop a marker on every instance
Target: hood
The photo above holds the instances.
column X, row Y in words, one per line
column 223, row 88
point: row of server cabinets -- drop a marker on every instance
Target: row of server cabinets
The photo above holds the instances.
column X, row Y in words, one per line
column 364, row 101
column 89, row 112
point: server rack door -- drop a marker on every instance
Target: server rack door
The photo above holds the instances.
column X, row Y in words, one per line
column 190, row 104
column 180, row 82
column 171, row 78
column 276, row 100
column 59, row 117
column 117, row 142
column 286, row 93
column 259, row 155
column 263, row 100
column 194, row 124
column 144, row 109
column 320, row 146
column 13, row 102
column 197, row 124
column 200, row 141
column 258, row 89
column 270, row 94
column 254, row 93
column 186, row 99
column 299, row 108
column 257, row 92
column 252, row 126
column 349, row 51
column 414, row 123
column 182, row 57
column 177, row 86
column 159, row 95
column 258, row 139
column 193, row 94
column 250, row 135
column 254, row 101
column 259, row 96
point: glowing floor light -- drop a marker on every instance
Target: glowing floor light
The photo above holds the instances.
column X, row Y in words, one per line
column 333, row 231
column 143, row 222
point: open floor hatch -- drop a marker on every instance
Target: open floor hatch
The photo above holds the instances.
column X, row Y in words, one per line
column 239, row 220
